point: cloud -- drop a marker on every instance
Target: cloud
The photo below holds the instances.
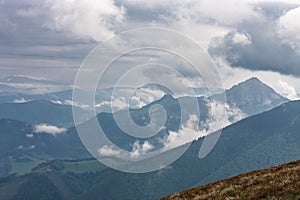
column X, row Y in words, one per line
column 191, row 131
column 143, row 96
column 83, row 19
column 107, row 151
column 29, row 135
column 117, row 103
column 242, row 38
column 58, row 34
column 56, row 102
column 266, row 48
column 21, row 147
column 44, row 128
column 42, row 37
column 232, row 76
column 288, row 90
column 21, row 100
column 289, row 28
column 33, row 85
column 205, row 10
column 187, row 133
column 131, row 98
column 140, row 149
column 220, row 116
column 72, row 103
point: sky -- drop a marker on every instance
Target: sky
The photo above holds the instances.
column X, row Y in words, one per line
column 245, row 38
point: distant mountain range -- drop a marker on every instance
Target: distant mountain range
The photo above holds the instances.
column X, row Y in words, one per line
column 257, row 142
column 29, row 85
column 44, row 112
column 39, row 112
column 280, row 182
column 247, row 145
column 252, row 97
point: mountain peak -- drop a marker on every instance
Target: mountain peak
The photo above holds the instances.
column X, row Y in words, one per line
column 253, row 81
column 253, row 95
column 252, row 85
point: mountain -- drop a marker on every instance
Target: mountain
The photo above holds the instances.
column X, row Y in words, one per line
column 39, row 112
column 245, row 99
column 252, row 97
column 22, row 79
column 29, row 85
column 22, row 148
column 247, row 145
column 280, row 182
column 261, row 141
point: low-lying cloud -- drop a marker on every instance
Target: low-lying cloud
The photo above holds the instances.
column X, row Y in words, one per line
column 108, row 151
column 187, row 133
column 139, row 149
column 288, row 90
column 220, row 116
column 21, row 100
column 48, row 129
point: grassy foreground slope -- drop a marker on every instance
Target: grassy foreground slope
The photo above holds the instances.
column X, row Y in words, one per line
column 280, row 182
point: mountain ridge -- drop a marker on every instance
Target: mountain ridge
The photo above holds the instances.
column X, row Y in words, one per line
column 279, row 182
column 243, row 147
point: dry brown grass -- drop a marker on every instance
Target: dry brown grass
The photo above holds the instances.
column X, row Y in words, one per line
column 281, row 182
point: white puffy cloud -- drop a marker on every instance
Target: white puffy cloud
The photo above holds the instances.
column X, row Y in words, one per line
column 107, row 151
column 188, row 132
column 21, row 100
column 220, row 116
column 242, row 38
column 45, row 128
column 140, row 149
column 131, row 98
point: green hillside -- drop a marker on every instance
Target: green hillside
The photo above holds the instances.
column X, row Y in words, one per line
column 243, row 147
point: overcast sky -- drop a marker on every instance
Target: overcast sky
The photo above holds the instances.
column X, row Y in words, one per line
column 50, row 38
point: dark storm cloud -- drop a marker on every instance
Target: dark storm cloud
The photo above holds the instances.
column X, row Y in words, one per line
column 24, row 35
column 27, row 47
column 266, row 49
